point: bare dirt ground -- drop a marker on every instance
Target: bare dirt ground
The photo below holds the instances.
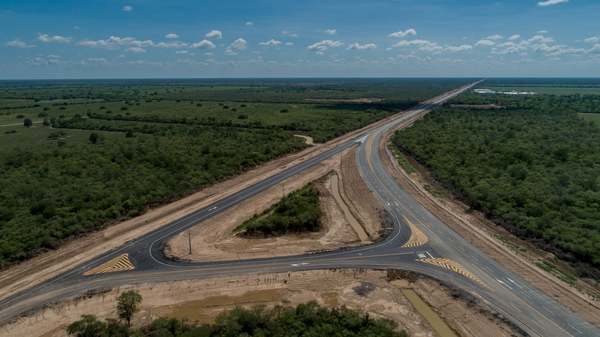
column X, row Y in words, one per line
column 343, row 222
column 202, row 301
column 484, row 234
column 308, row 140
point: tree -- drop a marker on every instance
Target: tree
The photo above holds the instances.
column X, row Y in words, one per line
column 128, row 304
column 93, row 138
column 87, row 326
column 27, row 123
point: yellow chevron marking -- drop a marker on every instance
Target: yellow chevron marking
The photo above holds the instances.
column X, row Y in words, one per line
column 417, row 237
column 451, row 265
column 119, row 263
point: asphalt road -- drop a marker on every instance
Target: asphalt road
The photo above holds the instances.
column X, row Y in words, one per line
column 532, row 311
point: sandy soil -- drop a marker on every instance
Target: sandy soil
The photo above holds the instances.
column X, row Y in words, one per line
column 202, row 301
column 484, row 234
column 344, row 224
column 308, row 140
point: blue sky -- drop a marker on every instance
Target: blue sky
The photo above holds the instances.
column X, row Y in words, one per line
column 284, row 38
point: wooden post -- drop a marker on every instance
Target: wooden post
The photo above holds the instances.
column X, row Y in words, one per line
column 189, row 242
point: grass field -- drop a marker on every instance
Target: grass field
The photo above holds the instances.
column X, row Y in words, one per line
column 592, row 117
column 107, row 150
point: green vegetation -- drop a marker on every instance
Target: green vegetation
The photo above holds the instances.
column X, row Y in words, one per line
column 533, row 167
column 305, row 320
column 592, row 117
column 297, row 212
column 128, row 304
column 76, row 156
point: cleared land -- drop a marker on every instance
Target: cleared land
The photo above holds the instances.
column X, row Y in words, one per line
column 376, row 292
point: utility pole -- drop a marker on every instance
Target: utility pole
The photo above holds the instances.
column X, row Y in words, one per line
column 189, row 242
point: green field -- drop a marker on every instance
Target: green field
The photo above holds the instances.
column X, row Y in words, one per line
column 532, row 166
column 108, row 150
column 592, row 117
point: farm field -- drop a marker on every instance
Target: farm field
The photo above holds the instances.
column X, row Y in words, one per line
column 103, row 151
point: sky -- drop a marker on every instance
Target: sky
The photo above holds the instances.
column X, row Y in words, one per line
column 53, row 39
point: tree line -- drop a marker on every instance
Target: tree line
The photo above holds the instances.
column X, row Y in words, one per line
column 304, row 320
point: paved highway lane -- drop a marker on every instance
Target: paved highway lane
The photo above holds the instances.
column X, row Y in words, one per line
column 533, row 311
column 152, row 266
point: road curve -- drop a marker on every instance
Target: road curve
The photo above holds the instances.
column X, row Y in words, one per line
column 531, row 310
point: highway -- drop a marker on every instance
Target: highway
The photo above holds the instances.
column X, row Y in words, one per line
column 507, row 293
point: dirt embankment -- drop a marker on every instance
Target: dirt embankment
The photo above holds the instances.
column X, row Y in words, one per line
column 202, row 301
column 344, row 224
column 484, row 234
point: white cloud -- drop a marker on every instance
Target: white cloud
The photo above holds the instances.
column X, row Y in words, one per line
column 431, row 46
column 330, row 31
column 418, row 42
column 271, row 43
column 249, row 24
column 456, row 49
column 171, row 36
column 116, row 41
column 514, row 37
column 289, row 43
column 214, row 34
column 546, row 3
column 182, row 52
column 236, row 46
column 322, row 46
column 204, row 44
column 136, row 50
column 45, row 60
column 592, row 39
column 45, row 38
column 127, row 8
column 288, row 33
column 404, row 33
column 358, row 46
column 18, row 44
column 541, row 39
column 172, row 44
column 485, row 43
column 494, row 37
column 594, row 50
column 94, row 61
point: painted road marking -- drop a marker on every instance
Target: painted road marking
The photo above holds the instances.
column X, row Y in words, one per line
column 453, row 266
column 119, row 263
column 417, row 237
